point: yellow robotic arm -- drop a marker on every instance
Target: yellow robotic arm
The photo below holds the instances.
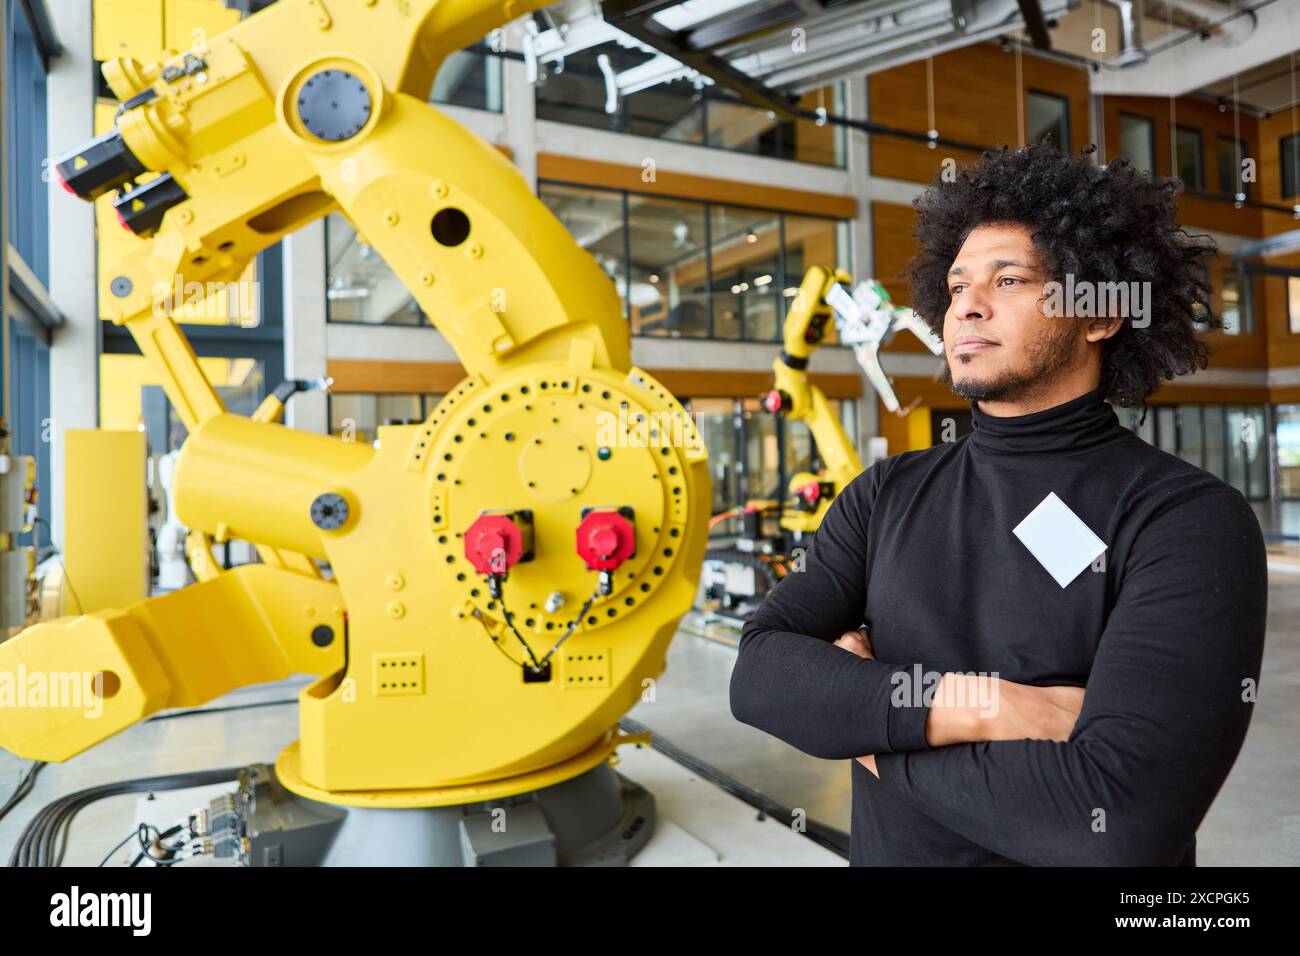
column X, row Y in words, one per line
column 508, row 574
column 794, row 397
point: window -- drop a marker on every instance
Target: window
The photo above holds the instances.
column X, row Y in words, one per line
column 1231, row 154
column 26, row 375
column 1234, row 293
column 131, row 396
column 1288, row 450
column 471, row 78
column 682, row 112
column 1228, row 442
column 1188, row 161
column 753, row 454
column 1289, row 155
column 1049, row 120
column 359, row 286
column 668, row 292
column 745, row 251
column 357, row 416
column 690, row 269
column 595, row 218
column 1137, row 141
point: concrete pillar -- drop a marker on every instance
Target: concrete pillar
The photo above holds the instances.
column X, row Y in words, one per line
column 74, row 352
column 305, row 329
column 519, row 108
column 859, row 168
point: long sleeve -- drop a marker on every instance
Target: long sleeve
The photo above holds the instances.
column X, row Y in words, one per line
column 1166, row 708
column 792, row 682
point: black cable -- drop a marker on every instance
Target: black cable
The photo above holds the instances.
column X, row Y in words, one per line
column 220, row 710
column 39, row 843
column 25, row 784
column 121, row 843
column 510, row 623
column 478, row 615
column 572, row 625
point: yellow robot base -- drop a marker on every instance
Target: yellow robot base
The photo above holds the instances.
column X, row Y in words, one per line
column 289, row 772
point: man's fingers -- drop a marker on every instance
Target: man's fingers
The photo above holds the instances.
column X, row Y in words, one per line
column 852, row 641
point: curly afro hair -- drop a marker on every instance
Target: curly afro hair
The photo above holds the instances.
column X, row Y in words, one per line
column 1099, row 224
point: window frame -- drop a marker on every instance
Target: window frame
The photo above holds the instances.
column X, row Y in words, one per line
column 1065, row 112
column 1174, row 151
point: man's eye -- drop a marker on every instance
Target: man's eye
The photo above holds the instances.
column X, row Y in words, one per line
column 956, row 290
column 1010, row 279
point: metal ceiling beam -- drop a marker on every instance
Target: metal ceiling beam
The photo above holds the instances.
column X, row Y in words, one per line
column 1035, row 25
column 640, row 26
column 729, row 30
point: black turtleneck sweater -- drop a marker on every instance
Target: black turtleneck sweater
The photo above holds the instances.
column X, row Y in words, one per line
column 1165, row 631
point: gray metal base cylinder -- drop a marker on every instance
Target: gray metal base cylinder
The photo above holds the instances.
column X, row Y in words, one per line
column 598, row 818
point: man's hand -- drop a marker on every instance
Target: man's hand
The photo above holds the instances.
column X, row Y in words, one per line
column 972, row 708
column 859, row 642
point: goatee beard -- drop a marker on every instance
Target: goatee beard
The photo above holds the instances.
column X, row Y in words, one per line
column 1052, row 352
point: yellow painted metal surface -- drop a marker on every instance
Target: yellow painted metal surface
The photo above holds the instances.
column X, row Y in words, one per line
column 246, row 626
column 552, row 420
column 106, row 531
column 918, row 428
column 840, row 460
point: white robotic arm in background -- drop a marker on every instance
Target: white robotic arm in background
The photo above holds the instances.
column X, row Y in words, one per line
column 866, row 319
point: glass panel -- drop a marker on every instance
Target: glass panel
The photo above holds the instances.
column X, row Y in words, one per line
column 799, row 452
column 1049, row 120
column 746, row 274
column 1230, row 155
column 1187, row 158
column 743, row 128
column 1214, row 441
column 716, row 420
column 761, row 478
column 810, row 241
column 357, row 416
column 594, row 217
column 672, row 111
column 1137, row 140
column 679, row 111
column 1256, row 445
column 1237, row 431
column 805, row 141
column 1230, row 294
column 1145, row 425
column 1191, row 440
column 1288, row 450
column 669, row 289
column 359, row 286
column 1289, row 148
column 849, row 420
column 1166, row 429
column 130, row 395
column 469, row 78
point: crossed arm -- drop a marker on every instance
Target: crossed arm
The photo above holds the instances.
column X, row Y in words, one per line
column 1163, row 717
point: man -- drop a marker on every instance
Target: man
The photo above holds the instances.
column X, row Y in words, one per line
column 1064, row 625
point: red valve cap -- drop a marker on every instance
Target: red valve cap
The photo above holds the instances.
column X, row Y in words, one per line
column 494, row 544
column 605, row 540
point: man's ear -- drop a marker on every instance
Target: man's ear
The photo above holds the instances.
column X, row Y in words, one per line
column 1102, row 328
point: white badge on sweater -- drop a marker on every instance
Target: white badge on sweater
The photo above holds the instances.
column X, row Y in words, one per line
column 1059, row 539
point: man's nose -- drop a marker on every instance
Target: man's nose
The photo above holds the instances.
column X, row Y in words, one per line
column 971, row 304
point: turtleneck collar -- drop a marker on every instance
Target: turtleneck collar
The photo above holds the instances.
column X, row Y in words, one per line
column 1076, row 425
